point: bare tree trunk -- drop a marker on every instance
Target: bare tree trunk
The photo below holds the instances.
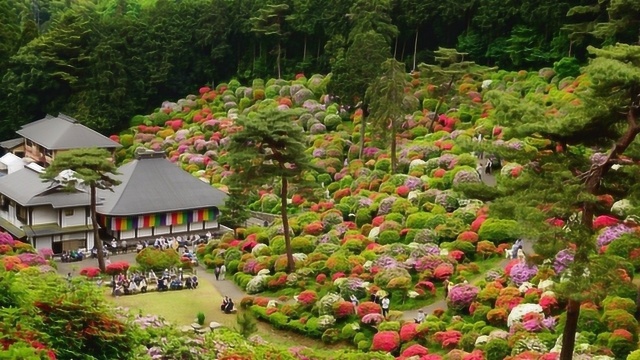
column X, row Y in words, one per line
column 291, row 267
column 96, row 236
column 304, row 52
column 415, row 50
column 592, row 184
column 278, row 61
column 395, row 49
column 440, row 101
column 393, row 148
column 362, row 132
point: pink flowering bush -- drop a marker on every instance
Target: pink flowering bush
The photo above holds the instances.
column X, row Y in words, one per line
column 408, row 331
column 461, row 296
column 604, row 221
column 372, row 319
column 414, row 350
column 6, row 239
column 307, row 297
column 32, row 259
column 386, row 341
column 448, row 339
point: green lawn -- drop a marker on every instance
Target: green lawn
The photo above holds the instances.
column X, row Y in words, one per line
column 179, row 307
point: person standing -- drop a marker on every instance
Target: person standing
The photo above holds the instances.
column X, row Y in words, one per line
column 479, row 170
column 123, row 245
column 420, row 318
column 385, row 306
column 217, row 272
column 446, row 287
column 354, row 300
column 223, row 271
column 487, row 168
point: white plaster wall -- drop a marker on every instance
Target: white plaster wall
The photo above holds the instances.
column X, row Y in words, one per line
column 44, row 215
column 159, row 230
column 78, row 218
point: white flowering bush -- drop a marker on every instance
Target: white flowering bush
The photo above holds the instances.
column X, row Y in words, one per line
column 326, row 321
column 531, row 343
column 325, row 304
column 521, row 310
column 259, row 249
column 621, row 208
column 257, row 284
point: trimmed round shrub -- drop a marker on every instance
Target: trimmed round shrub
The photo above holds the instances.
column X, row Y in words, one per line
column 154, row 259
column 619, row 303
column 499, row 231
column 497, row 349
column 388, row 237
column 386, row 341
column 620, row 319
column 302, row 244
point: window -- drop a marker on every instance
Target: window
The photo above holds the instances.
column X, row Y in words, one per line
column 4, row 203
column 48, row 153
column 68, row 212
column 29, row 143
column 21, row 213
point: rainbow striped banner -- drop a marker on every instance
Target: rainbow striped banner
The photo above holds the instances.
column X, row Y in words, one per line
column 203, row 215
column 176, row 218
column 152, row 220
column 124, row 223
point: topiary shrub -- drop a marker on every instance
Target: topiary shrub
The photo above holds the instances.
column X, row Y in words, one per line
column 338, row 262
column 154, row 259
column 302, row 244
column 386, row 341
column 388, row 237
column 619, row 303
column 499, row 230
column 497, row 349
column 619, row 319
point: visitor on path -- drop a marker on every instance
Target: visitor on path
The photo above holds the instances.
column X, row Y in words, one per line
column 217, row 272
column 194, row 281
column 385, row 306
column 420, row 318
column 446, row 283
column 188, row 284
column 354, row 300
column 223, row 271
column 123, row 245
column 487, row 167
column 479, row 170
column 114, row 246
column 516, row 247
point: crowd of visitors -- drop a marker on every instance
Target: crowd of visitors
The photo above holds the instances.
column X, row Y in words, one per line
column 125, row 284
column 72, row 255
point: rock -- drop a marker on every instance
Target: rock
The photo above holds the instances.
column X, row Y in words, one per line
column 196, row 326
column 214, row 325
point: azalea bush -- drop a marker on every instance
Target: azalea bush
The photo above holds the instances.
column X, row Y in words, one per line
column 152, row 259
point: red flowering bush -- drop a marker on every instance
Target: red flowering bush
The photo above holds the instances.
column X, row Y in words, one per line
column 90, row 272
column 271, row 310
column 508, row 302
column 448, row 339
column 315, row 228
column 386, row 341
column 438, row 173
column 119, row 267
column 426, row 286
column 5, row 249
column 261, row 301
column 443, row 271
column 623, row 334
column 321, row 278
column 408, row 331
column 403, row 190
column 548, row 303
column 468, row 236
column 604, row 221
column 13, row 263
column 342, row 309
column 414, row 350
column 474, row 355
column 475, row 225
column 307, row 297
column 456, row 255
column 337, row 275
column 368, row 307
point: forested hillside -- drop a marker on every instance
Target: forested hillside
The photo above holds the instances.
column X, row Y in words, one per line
column 102, row 61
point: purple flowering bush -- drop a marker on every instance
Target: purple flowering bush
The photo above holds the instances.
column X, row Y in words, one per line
column 6, row 239
column 607, row 235
column 461, row 296
column 522, row 272
column 32, row 259
column 563, row 259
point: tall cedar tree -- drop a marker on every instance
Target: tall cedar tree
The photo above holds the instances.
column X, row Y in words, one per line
column 389, row 102
column 352, row 74
column 94, row 168
column 270, row 146
column 599, row 111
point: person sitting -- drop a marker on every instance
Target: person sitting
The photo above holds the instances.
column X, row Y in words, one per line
column 133, row 288
column 153, row 279
column 176, row 284
column 420, row 318
column 162, row 285
column 143, row 285
column 117, row 291
column 65, row 256
column 229, row 307
column 194, row 281
column 125, row 286
column 224, row 304
column 94, row 253
column 188, row 284
column 139, row 247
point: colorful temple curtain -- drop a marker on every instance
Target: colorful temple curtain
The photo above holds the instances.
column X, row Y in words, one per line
column 153, row 220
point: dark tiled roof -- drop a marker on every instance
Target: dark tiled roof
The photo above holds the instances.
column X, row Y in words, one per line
column 12, row 143
column 27, row 189
column 152, row 184
column 63, row 132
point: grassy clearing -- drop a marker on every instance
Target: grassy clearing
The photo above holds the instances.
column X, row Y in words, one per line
column 178, row 307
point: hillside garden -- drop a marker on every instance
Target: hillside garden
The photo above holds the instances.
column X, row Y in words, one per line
column 563, row 142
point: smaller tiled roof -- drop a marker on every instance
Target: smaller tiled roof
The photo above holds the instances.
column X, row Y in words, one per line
column 12, row 143
column 152, row 184
column 27, row 189
column 63, row 132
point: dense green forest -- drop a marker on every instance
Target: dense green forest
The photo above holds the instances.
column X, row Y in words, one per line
column 103, row 61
